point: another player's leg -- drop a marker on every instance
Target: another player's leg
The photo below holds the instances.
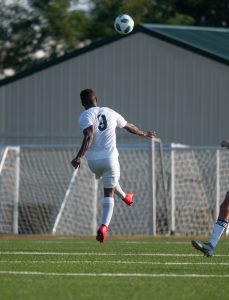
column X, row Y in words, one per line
column 219, row 227
column 108, row 206
column 126, row 197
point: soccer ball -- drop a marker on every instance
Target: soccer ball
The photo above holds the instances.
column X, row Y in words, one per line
column 124, row 24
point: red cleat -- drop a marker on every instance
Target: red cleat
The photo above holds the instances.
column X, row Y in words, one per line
column 128, row 198
column 101, row 233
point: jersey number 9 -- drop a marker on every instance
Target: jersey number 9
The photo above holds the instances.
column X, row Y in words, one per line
column 102, row 122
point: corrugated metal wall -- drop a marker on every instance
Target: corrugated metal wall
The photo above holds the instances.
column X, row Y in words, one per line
column 154, row 84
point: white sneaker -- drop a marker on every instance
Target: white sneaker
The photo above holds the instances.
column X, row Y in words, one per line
column 206, row 248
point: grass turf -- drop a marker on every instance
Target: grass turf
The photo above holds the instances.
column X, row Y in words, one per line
column 45, row 259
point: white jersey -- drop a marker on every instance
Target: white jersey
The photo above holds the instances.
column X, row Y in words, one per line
column 104, row 120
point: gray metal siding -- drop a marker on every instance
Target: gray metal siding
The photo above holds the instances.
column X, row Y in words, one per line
column 156, row 85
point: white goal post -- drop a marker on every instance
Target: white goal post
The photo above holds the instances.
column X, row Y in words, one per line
column 10, row 184
column 66, row 199
column 157, row 161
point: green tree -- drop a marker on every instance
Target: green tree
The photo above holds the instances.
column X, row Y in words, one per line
column 205, row 12
column 104, row 13
column 65, row 26
column 180, row 12
column 51, row 28
column 20, row 36
column 180, row 19
column 102, row 18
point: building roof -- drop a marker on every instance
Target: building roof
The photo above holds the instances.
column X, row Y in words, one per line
column 210, row 42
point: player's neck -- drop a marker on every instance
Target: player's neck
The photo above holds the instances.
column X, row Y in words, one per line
column 90, row 106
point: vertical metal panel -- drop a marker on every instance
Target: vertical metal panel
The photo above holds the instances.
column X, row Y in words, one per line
column 156, row 85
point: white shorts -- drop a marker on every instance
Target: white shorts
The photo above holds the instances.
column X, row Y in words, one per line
column 108, row 169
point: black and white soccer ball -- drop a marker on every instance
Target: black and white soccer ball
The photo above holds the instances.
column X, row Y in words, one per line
column 124, row 24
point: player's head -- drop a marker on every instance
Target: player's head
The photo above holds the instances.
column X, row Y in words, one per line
column 88, row 98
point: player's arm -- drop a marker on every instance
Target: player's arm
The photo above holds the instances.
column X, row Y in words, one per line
column 225, row 144
column 86, row 143
column 133, row 129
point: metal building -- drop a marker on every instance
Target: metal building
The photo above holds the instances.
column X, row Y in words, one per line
column 173, row 79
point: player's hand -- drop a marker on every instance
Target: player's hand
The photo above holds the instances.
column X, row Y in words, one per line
column 225, row 144
column 149, row 134
column 76, row 162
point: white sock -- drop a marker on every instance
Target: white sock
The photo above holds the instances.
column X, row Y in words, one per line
column 218, row 230
column 119, row 192
column 108, row 205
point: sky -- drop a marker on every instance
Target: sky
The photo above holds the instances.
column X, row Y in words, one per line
column 84, row 4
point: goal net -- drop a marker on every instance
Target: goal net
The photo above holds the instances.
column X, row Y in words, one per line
column 177, row 190
column 45, row 176
column 52, row 198
column 193, row 190
column 138, row 175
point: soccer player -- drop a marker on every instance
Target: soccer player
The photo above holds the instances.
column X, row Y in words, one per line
column 220, row 225
column 99, row 146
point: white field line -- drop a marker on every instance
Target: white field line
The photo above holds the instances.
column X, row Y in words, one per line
column 104, row 254
column 72, row 241
column 156, row 242
column 225, row 243
column 174, row 242
column 58, row 242
column 114, row 274
column 139, row 242
column 112, row 262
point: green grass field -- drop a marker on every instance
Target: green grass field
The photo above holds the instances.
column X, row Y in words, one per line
column 132, row 268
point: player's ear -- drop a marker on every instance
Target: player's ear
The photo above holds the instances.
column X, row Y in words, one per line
column 82, row 102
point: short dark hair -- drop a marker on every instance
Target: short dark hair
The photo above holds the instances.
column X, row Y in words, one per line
column 87, row 97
